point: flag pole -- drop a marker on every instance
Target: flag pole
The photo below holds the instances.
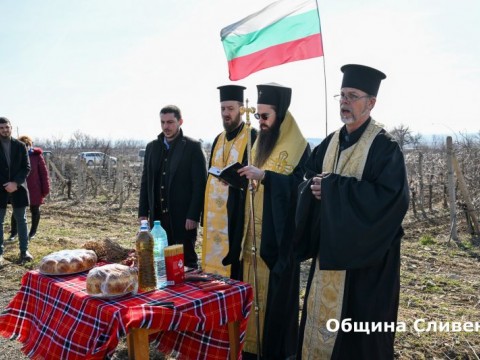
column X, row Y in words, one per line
column 251, row 187
column 324, row 72
column 325, row 96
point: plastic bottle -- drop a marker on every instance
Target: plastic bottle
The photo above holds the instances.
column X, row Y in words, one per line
column 160, row 241
column 146, row 269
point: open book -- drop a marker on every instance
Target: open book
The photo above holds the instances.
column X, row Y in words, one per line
column 230, row 175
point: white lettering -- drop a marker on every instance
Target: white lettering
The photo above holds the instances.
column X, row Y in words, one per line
column 389, row 327
column 416, row 324
column 468, row 326
column 444, row 326
column 335, row 322
column 361, row 327
column 431, row 326
column 456, row 326
column 346, row 325
column 401, row 326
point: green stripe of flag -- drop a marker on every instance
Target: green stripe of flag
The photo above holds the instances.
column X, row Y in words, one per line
column 288, row 29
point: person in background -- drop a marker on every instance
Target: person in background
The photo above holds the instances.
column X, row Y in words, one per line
column 14, row 169
column 173, row 183
column 349, row 218
column 229, row 146
column 38, row 183
column 279, row 155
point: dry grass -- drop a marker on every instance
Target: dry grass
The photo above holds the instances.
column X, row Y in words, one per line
column 440, row 279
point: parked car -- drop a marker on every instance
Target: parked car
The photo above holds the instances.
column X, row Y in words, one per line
column 97, row 158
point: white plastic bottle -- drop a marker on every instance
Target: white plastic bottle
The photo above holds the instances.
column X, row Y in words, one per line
column 160, row 241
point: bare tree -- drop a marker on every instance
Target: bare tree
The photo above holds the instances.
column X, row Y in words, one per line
column 405, row 136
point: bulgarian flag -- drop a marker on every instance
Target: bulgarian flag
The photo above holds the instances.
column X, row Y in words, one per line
column 284, row 31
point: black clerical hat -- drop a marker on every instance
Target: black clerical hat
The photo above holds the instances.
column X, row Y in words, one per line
column 276, row 95
column 362, row 77
column 231, row 92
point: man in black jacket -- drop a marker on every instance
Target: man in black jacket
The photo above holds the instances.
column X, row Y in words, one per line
column 14, row 168
column 173, row 183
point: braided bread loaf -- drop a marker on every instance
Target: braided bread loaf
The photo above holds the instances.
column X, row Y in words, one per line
column 66, row 262
column 112, row 280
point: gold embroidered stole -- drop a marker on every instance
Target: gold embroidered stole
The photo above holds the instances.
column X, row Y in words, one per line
column 284, row 158
column 215, row 222
column 325, row 299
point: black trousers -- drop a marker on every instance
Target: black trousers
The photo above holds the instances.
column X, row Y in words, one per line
column 35, row 211
column 189, row 254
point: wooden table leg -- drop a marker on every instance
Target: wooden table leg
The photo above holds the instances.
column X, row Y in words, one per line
column 137, row 343
column 234, row 339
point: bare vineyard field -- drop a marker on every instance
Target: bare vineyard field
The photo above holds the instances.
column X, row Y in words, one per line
column 439, row 275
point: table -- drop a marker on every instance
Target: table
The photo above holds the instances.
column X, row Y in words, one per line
column 55, row 318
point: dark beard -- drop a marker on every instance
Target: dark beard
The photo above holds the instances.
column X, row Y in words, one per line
column 230, row 127
column 266, row 142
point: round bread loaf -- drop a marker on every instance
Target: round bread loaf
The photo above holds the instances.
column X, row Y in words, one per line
column 68, row 262
column 112, row 280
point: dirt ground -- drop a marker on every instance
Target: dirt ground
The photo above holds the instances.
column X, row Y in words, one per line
column 439, row 276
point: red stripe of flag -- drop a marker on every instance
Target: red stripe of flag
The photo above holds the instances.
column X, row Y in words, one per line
column 301, row 49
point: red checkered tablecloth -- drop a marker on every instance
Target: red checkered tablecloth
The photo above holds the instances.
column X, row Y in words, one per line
column 55, row 318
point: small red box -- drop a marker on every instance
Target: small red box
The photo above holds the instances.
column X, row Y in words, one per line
column 174, row 265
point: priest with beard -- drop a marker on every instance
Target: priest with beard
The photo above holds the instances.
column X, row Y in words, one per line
column 278, row 158
column 349, row 218
column 229, row 146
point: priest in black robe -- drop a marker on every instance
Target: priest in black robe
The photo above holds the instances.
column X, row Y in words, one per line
column 349, row 217
column 278, row 158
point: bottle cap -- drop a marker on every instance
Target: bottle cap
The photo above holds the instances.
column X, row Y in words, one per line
column 144, row 225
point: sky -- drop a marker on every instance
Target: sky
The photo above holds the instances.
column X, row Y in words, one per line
column 106, row 67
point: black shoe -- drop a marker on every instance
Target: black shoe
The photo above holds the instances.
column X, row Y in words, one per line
column 25, row 256
column 12, row 237
column 32, row 236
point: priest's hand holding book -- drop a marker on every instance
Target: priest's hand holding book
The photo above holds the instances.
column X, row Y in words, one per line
column 229, row 175
column 235, row 174
column 252, row 173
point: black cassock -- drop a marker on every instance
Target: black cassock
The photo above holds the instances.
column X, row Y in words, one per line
column 356, row 227
column 276, row 249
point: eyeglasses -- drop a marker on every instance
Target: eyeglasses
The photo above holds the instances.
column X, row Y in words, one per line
column 349, row 97
column 263, row 116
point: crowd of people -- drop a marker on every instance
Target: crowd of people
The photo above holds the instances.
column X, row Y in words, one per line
column 341, row 205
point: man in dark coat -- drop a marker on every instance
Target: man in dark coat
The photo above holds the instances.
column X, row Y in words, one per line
column 279, row 156
column 14, row 169
column 173, row 183
column 349, row 218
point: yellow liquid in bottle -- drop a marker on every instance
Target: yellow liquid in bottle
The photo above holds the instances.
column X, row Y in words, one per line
column 146, row 268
